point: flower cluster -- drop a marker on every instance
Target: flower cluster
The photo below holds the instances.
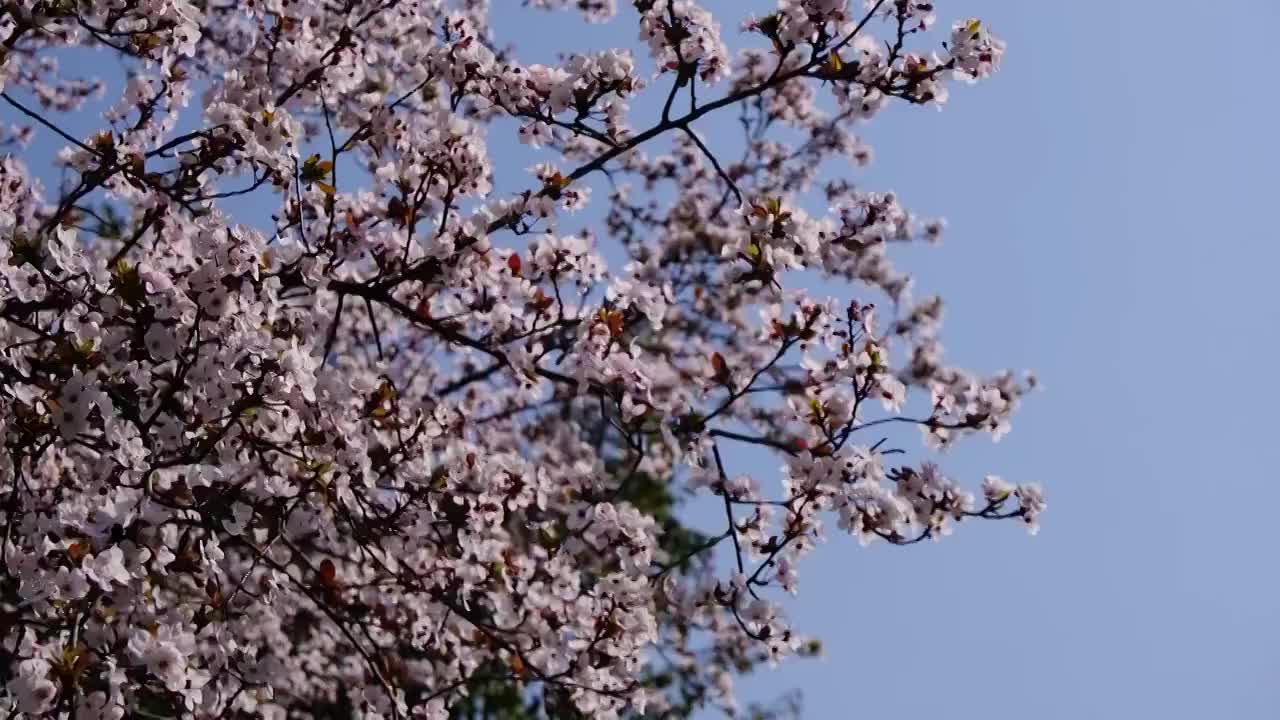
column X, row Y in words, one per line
column 411, row 447
column 684, row 37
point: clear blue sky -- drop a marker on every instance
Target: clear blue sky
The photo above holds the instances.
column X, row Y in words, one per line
column 1111, row 200
column 1112, row 217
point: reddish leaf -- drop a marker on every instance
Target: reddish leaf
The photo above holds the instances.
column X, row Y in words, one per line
column 78, row 550
column 328, row 573
column 540, row 301
column 513, row 262
column 211, row 589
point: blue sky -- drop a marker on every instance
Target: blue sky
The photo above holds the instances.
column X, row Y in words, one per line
column 1110, row 205
column 1110, row 198
column 1107, row 195
column 1112, row 225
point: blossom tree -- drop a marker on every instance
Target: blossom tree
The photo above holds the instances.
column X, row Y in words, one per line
column 413, row 447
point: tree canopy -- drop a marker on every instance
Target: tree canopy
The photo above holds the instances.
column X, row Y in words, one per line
column 415, row 447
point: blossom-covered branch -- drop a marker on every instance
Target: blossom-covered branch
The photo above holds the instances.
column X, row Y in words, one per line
column 414, row 448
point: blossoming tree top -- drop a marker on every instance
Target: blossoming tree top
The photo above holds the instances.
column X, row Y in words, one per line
column 407, row 450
